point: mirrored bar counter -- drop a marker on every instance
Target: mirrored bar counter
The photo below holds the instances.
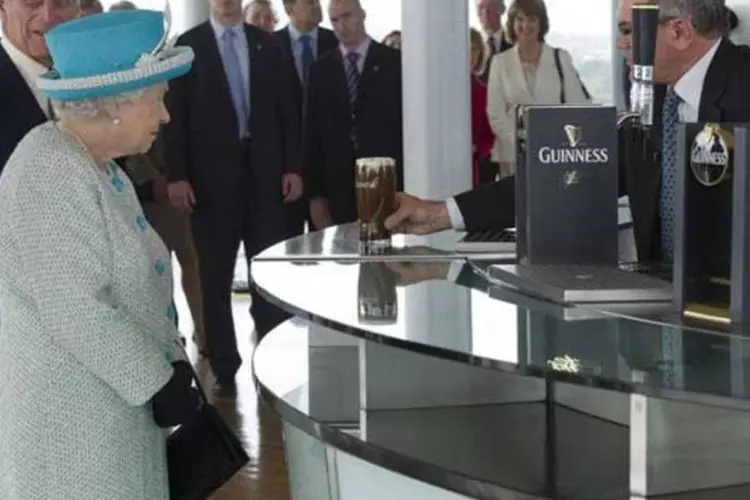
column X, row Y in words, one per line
column 405, row 379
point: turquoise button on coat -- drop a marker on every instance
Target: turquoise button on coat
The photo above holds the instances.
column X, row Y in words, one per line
column 141, row 222
column 160, row 266
column 118, row 184
column 171, row 313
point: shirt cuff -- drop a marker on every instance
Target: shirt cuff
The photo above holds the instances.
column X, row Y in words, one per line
column 454, row 270
column 457, row 218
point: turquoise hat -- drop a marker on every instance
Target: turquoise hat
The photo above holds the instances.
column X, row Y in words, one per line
column 108, row 54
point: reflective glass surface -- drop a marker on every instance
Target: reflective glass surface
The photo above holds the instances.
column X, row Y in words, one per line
column 442, row 308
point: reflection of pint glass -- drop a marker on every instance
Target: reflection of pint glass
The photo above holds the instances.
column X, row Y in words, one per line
column 375, row 183
column 376, row 294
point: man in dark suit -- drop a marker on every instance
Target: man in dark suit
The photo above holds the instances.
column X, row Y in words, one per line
column 353, row 110
column 303, row 42
column 230, row 157
column 23, row 57
column 490, row 13
column 702, row 76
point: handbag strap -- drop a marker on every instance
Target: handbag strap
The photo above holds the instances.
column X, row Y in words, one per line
column 561, row 73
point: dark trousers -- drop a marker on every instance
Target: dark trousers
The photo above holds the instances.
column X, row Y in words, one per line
column 299, row 213
column 217, row 232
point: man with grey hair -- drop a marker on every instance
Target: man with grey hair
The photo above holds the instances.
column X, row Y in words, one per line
column 23, row 57
column 704, row 77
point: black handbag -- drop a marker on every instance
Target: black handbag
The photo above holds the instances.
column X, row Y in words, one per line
column 202, row 454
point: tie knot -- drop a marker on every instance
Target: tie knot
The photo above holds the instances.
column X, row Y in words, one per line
column 353, row 57
column 305, row 40
column 228, row 35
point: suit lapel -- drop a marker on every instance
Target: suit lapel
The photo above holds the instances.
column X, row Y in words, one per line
column 214, row 62
column 715, row 84
column 13, row 84
column 370, row 70
column 514, row 71
column 340, row 75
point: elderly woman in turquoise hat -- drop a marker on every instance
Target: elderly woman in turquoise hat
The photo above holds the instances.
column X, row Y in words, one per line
column 92, row 372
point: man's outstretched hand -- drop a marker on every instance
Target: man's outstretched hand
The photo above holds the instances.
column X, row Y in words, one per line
column 416, row 216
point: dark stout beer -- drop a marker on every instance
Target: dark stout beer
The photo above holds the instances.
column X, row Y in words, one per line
column 375, row 183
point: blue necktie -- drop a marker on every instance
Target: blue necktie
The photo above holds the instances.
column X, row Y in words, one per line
column 352, row 75
column 236, row 82
column 670, row 119
column 308, row 56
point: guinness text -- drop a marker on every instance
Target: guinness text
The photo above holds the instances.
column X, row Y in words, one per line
column 549, row 155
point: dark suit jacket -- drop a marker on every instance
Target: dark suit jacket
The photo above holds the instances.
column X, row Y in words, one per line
column 724, row 99
column 19, row 109
column 201, row 142
column 327, row 42
column 330, row 120
column 504, row 45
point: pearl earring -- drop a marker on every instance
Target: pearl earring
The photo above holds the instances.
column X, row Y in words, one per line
column 116, row 121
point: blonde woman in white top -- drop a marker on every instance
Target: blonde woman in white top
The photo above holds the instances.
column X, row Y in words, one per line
column 532, row 72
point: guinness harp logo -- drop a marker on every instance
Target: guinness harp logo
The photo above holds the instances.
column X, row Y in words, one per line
column 573, row 134
column 710, row 155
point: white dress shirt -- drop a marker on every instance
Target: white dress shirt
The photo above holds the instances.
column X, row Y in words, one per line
column 690, row 86
column 30, row 70
column 240, row 46
column 361, row 50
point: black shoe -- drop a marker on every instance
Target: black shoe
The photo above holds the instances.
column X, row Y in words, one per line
column 225, row 388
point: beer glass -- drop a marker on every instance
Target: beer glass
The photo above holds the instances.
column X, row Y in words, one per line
column 376, row 294
column 375, row 183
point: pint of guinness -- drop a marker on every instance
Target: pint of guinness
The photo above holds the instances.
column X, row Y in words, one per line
column 375, row 183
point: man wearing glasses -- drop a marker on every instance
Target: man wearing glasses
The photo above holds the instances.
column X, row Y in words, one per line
column 23, row 57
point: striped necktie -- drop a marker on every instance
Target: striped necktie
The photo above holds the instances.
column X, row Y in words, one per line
column 352, row 75
column 670, row 120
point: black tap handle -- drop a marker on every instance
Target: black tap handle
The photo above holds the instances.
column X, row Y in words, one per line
column 645, row 26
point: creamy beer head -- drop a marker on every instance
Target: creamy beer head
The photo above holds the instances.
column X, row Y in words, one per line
column 375, row 184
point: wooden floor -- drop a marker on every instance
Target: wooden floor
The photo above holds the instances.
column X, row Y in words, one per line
column 264, row 478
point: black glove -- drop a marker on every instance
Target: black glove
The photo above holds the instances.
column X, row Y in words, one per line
column 177, row 401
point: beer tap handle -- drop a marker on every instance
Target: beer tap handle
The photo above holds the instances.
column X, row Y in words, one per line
column 645, row 26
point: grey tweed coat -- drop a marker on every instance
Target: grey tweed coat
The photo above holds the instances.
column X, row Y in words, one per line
column 87, row 334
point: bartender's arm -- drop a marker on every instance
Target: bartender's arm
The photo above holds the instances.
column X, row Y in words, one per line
column 491, row 206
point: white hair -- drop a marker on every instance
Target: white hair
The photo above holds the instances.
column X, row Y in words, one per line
column 96, row 107
column 708, row 17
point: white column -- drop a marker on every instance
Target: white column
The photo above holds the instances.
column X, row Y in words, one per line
column 187, row 14
column 437, row 127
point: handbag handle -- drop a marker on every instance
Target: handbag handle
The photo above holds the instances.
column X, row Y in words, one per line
column 201, row 390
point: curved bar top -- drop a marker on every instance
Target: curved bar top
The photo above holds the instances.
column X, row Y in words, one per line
column 441, row 308
column 523, row 450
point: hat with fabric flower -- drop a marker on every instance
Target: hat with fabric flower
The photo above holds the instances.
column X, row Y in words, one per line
column 112, row 53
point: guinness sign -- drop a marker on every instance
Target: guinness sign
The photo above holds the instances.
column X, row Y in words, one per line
column 573, row 150
column 709, row 157
column 566, row 186
column 703, row 237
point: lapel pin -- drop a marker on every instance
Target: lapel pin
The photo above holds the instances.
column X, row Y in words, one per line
column 376, row 68
column 259, row 47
